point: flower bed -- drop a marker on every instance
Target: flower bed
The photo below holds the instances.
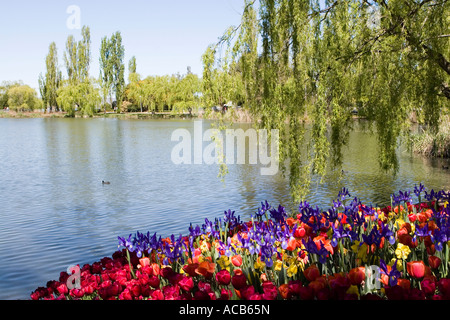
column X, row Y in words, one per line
column 350, row 251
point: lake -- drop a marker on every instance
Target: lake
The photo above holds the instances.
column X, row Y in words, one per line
column 55, row 211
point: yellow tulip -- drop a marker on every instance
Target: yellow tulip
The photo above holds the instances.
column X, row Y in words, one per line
column 259, row 265
column 292, row 270
column 402, row 251
column 277, row 265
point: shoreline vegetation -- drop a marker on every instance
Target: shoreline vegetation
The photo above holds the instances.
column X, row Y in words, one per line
column 433, row 145
column 233, row 115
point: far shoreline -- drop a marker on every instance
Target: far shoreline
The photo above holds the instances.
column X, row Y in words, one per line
column 238, row 116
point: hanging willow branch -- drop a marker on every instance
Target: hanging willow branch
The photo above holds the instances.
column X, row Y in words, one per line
column 307, row 62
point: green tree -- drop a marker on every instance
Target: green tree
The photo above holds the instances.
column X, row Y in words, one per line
column 83, row 97
column 49, row 84
column 132, row 66
column 319, row 61
column 77, row 57
column 4, row 89
column 112, row 72
column 23, row 98
column 106, row 71
column 118, row 67
column 186, row 89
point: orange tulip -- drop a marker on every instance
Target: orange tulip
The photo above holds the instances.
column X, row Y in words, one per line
column 206, row 268
column 416, row 269
column 144, row 262
column 290, row 221
column 284, row 291
column 292, row 244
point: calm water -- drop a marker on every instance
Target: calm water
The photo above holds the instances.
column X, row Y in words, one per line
column 55, row 212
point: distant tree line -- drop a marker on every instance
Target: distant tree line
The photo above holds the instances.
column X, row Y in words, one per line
column 87, row 95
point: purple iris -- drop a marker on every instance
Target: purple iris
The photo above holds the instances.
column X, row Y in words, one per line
column 264, row 208
column 419, row 190
column 266, row 255
column 339, row 233
column 210, row 227
column 402, row 197
column 387, row 233
column 232, row 221
column 343, row 194
column 431, row 196
column 309, row 212
column 439, row 238
column 127, row 243
column 331, row 214
column 176, row 249
column 393, row 275
column 422, row 232
column 279, row 214
column 195, row 232
column 311, row 248
column 374, row 237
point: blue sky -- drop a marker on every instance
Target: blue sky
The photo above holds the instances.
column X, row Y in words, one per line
column 165, row 36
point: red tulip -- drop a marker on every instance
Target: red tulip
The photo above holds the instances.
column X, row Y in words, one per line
column 404, row 283
column 190, row 269
column 154, row 281
column 306, row 293
column 62, row 289
column 270, row 291
column 292, row 244
column 247, row 291
column 294, row 287
column 238, row 281
column 428, row 286
column 434, row 262
column 186, row 283
column 171, row 292
column 157, row 295
column 125, row 295
column 416, row 269
column 317, row 285
column 444, row 287
column 225, row 294
column 312, row 273
column 324, row 294
column 394, row 293
column 299, row 232
column 357, row 275
column 223, row 277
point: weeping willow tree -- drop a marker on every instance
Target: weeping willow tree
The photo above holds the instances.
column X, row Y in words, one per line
column 317, row 62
